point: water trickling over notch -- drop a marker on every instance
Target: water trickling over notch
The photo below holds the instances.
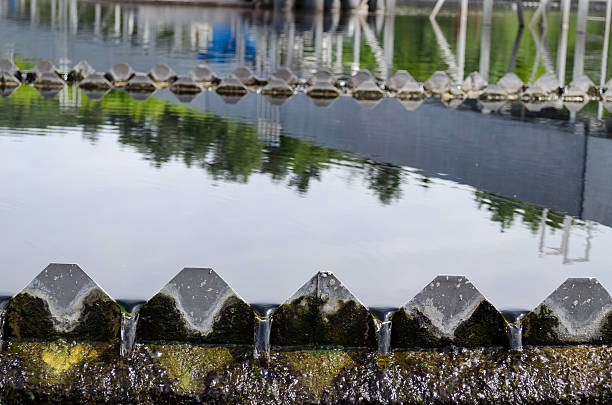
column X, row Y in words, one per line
column 515, row 328
column 263, row 324
column 384, row 327
column 129, row 321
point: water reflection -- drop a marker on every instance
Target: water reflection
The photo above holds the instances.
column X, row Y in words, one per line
column 125, row 208
column 455, row 37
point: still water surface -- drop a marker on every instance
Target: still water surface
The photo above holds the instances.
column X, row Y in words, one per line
column 384, row 197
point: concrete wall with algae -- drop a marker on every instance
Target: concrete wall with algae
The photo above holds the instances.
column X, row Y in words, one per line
column 64, row 340
column 63, row 372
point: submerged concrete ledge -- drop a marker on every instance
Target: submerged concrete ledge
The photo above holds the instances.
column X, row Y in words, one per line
column 322, row 86
column 62, row 372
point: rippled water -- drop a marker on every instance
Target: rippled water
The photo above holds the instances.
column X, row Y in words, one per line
column 386, row 198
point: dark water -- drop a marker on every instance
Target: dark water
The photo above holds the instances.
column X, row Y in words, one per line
column 384, row 197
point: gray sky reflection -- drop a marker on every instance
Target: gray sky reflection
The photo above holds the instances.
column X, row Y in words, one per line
column 132, row 226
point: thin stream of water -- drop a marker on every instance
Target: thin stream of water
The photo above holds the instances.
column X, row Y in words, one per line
column 384, row 334
column 384, row 315
column 515, row 328
column 129, row 321
column 263, row 325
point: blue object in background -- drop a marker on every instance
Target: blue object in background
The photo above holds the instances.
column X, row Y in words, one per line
column 223, row 45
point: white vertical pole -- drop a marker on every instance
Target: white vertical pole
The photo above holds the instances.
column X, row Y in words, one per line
column 604, row 54
column 318, row 37
column 97, row 20
column 461, row 41
column 356, row 46
column 579, row 48
column 389, row 39
column 53, row 9
column 485, row 43
column 74, row 17
column 562, row 48
column 117, row 20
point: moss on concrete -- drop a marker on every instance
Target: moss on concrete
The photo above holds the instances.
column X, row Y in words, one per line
column 71, row 373
column 485, row 327
column 303, row 323
column 55, row 363
column 317, row 368
column 414, row 330
column 188, row 365
column 607, row 330
column 29, row 318
column 539, row 327
column 161, row 321
column 100, row 319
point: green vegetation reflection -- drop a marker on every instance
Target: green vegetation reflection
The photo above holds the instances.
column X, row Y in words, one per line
column 232, row 151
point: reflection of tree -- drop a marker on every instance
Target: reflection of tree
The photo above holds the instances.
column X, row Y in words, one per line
column 224, row 148
column 385, row 180
column 504, row 210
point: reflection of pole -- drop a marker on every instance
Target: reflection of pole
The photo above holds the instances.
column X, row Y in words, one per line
column 274, row 64
column 130, row 23
column 290, row 40
column 604, row 51
column 436, row 8
column 579, row 47
column 485, row 43
column 567, row 224
column 53, row 8
column 370, row 39
column 604, row 54
column 33, row 10
column 339, row 53
column 64, row 61
column 389, row 37
column 97, row 19
column 74, row 17
column 515, row 48
column 260, row 45
column 117, row 20
column 318, row 37
column 177, row 38
column 461, row 41
column 543, row 231
column 146, row 35
column 587, row 249
column 447, row 53
column 562, row 48
column 356, row 45
column 541, row 52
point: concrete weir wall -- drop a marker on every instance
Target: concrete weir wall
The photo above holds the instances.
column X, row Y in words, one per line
column 65, row 339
